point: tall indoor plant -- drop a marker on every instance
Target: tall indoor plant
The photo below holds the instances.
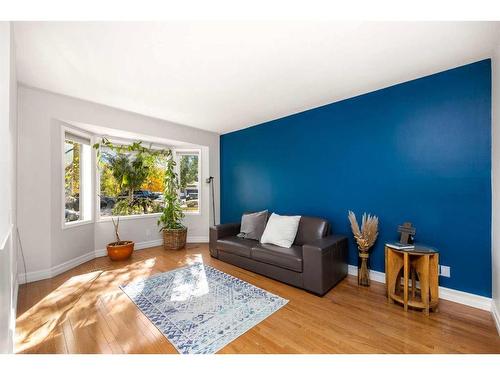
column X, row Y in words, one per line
column 170, row 222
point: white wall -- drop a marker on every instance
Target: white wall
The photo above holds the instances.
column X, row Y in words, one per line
column 495, row 178
column 46, row 244
column 8, row 137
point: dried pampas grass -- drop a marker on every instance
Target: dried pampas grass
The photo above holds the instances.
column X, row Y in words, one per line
column 365, row 237
column 369, row 230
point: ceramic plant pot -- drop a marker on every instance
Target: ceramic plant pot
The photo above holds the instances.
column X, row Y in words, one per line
column 120, row 250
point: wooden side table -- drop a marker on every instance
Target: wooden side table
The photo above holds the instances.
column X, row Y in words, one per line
column 420, row 263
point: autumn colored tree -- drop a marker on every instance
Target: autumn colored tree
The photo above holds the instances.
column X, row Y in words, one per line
column 155, row 180
column 72, row 168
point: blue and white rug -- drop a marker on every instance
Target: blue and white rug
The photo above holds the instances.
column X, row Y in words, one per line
column 200, row 309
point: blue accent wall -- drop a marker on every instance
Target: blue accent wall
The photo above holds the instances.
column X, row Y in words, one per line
column 419, row 151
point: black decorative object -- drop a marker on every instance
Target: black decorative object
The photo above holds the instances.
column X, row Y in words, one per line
column 407, row 233
column 210, row 181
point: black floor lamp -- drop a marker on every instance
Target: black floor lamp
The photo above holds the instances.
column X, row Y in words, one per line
column 210, row 181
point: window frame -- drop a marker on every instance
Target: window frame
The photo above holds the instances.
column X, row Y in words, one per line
column 190, row 151
column 83, row 194
column 121, row 141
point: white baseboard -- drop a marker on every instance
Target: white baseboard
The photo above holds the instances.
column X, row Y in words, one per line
column 496, row 315
column 65, row 266
column 101, row 253
column 56, row 270
column 469, row 299
column 374, row 275
column 197, row 239
column 29, row 277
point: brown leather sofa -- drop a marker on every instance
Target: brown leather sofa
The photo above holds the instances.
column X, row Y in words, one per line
column 316, row 262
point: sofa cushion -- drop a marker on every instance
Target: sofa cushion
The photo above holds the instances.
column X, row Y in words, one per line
column 310, row 229
column 253, row 225
column 236, row 245
column 280, row 230
column 290, row 258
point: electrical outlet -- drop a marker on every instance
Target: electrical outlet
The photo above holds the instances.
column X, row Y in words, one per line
column 444, row 271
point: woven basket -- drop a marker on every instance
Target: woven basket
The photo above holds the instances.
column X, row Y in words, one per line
column 174, row 239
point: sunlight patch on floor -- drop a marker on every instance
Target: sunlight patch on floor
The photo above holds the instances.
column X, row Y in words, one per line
column 68, row 302
column 190, row 259
column 182, row 290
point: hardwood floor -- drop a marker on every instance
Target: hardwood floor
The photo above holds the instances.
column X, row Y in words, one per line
column 84, row 311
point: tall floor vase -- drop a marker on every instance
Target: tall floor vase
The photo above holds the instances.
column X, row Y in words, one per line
column 363, row 270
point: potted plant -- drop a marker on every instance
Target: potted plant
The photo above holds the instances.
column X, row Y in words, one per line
column 129, row 166
column 119, row 250
column 365, row 238
column 174, row 232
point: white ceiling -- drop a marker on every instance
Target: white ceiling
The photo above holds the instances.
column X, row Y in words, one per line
column 230, row 75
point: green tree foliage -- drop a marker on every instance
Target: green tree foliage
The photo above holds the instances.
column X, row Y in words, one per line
column 129, row 171
column 188, row 170
column 125, row 169
column 153, row 182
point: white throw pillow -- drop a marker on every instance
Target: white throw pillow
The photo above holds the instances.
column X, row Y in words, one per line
column 281, row 230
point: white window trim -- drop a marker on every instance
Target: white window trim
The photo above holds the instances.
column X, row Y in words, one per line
column 90, row 220
column 197, row 151
column 104, row 219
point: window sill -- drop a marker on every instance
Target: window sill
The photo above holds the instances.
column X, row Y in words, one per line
column 105, row 219
column 74, row 224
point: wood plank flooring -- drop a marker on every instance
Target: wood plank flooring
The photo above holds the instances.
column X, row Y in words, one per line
column 84, row 311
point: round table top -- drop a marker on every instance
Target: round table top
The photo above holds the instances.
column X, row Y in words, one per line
column 418, row 249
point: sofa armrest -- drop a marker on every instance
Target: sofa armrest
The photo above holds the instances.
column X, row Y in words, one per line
column 224, row 230
column 324, row 263
column 220, row 231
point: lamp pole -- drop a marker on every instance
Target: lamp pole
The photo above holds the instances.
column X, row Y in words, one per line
column 210, row 181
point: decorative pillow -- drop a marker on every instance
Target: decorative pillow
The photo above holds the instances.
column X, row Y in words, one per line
column 281, row 230
column 253, row 225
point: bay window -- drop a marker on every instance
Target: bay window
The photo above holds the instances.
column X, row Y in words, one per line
column 128, row 183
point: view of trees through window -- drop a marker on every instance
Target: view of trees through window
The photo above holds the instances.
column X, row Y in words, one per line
column 71, row 180
column 188, row 175
column 132, row 185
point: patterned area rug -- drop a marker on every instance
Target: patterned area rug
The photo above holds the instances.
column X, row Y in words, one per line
column 200, row 309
